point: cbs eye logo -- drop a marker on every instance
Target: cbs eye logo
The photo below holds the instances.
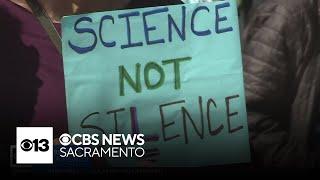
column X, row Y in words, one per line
column 36, row 145
column 65, row 139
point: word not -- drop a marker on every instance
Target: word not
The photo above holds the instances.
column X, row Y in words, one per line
column 136, row 85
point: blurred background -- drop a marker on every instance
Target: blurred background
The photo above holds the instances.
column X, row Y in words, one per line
column 245, row 7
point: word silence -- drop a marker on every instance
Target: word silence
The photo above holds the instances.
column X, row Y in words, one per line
column 191, row 124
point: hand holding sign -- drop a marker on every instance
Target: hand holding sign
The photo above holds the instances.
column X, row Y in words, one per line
column 172, row 73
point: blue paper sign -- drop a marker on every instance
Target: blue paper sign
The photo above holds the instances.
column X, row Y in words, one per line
column 173, row 73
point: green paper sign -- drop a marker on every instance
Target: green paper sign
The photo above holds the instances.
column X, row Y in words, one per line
column 172, row 73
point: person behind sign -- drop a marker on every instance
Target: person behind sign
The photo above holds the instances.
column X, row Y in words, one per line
column 280, row 46
column 32, row 66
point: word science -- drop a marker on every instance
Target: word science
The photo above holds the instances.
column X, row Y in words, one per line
column 185, row 27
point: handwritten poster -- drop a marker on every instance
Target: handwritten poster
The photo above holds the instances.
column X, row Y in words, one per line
column 173, row 73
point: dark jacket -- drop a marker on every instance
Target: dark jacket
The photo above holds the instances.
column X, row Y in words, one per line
column 280, row 41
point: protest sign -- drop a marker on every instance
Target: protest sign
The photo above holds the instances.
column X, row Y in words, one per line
column 173, row 73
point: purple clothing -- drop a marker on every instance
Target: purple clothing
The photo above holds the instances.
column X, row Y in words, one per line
column 35, row 93
column 32, row 89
